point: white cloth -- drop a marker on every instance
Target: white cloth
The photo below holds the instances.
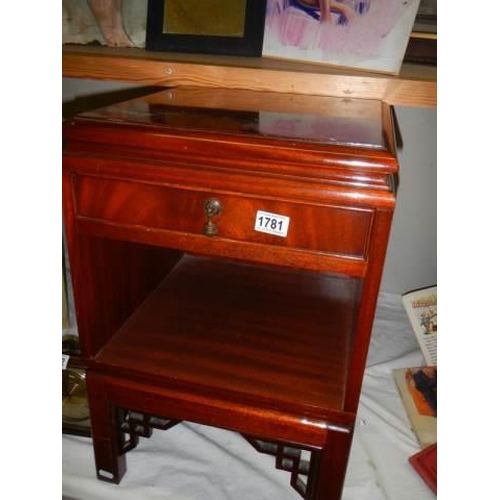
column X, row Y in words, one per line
column 196, row 462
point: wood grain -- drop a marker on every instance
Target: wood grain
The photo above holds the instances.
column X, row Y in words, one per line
column 416, row 85
column 338, row 230
column 255, row 331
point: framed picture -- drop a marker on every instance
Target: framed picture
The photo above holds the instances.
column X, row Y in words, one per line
column 426, row 20
column 230, row 27
column 108, row 23
column 422, row 47
column 361, row 34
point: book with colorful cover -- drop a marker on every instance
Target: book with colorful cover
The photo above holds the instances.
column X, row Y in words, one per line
column 421, row 307
column 418, row 389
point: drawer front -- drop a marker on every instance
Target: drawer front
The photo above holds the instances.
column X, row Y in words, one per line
column 339, row 230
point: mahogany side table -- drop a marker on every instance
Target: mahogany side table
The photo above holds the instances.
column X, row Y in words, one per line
column 226, row 251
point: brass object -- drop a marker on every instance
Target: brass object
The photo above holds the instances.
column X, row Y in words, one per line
column 75, row 406
column 213, row 207
column 71, row 345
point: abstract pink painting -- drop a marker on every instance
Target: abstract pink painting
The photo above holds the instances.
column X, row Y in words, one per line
column 362, row 34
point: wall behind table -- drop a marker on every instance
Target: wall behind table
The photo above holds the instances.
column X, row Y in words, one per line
column 412, row 254
column 411, row 257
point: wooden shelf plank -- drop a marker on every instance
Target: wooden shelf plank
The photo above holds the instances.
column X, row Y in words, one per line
column 416, row 85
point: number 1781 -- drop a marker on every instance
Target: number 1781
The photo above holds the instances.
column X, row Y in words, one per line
column 276, row 224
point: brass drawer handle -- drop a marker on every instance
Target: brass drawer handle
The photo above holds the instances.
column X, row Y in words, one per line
column 213, row 207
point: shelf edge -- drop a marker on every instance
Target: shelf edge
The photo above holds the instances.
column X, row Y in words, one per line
column 407, row 89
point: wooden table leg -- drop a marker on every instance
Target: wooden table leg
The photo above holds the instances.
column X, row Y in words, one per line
column 332, row 466
column 110, row 462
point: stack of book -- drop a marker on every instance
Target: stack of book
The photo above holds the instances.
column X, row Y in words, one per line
column 418, row 384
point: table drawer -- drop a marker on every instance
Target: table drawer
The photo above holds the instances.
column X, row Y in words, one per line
column 339, row 230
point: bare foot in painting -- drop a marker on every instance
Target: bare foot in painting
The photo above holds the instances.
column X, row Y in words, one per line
column 108, row 15
column 326, row 7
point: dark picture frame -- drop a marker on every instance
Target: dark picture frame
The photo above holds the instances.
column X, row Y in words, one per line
column 422, row 45
column 247, row 43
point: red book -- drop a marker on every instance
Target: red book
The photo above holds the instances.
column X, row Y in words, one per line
column 425, row 463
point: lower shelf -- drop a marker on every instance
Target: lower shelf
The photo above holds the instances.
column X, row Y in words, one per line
column 251, row 331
